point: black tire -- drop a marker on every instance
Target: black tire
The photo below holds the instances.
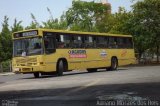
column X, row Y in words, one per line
column 114, row 64
column 61, row 67
column 36, row 75
column 92, row 70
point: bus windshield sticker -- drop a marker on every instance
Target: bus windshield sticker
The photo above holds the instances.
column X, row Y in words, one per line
column 77, row 54
column 23, row 53
column 103, row 53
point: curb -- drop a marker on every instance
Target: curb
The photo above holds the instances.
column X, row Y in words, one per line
column 6, row 74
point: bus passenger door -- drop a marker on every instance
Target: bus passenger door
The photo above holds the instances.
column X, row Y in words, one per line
column 50, row 49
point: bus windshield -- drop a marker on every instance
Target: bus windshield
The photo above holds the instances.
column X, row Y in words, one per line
column 27, row 47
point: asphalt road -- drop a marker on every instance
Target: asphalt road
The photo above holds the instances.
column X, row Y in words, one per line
column 129, row 86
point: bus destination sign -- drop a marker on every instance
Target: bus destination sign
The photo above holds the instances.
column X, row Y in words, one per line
column 25, row 34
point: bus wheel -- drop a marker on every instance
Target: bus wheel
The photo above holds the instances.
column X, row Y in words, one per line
column 114, row 64
column 36, row 74
column 92, row 70
column 61, row 68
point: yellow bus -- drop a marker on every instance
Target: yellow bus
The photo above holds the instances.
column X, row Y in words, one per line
column 46, row 51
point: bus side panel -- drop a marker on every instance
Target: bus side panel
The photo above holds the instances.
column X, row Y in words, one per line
column 110, row 54
column 96, row 58
column 92, row 60
column 50, row 62
column 125, row 56
column 76, row 60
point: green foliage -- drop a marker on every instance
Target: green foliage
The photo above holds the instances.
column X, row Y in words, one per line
column 16, row 26
column 1, row 49
column 6, row 38
column 51, row 24
column 121, row 21
column 84, row 16
column 55, row 23
column 34, row 24
column 6, row 65
column 147, row 23
column 6, row 41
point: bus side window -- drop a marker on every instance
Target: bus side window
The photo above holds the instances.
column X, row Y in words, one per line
column 63, row 41
column 77, row 42
column 102, row 42
column 89, row 42
column 59, row 43
column 94, row 42
column 112, row 43
column 120, row 42
column 67, row 41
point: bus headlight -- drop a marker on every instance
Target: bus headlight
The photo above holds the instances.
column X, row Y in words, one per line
column 16, row 69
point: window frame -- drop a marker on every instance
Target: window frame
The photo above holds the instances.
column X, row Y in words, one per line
column 94, row 44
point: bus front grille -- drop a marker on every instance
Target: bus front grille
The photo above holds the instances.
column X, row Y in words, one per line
column 26, row 61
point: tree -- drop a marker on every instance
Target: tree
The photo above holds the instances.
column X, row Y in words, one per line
column 52, row 23
column 16, row 26
column 1, row 49
column 34, row 24
column 6, row 41
column 126, row 23
column 85, row 16
column 121, row 21
column 62, row 22
column 147, row 18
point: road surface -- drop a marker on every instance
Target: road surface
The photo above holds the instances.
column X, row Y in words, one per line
column 127, row 86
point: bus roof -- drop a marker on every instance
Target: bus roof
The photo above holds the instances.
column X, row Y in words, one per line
column 76, row 32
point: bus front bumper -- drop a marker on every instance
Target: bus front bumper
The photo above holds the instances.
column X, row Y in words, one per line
column 28, row 69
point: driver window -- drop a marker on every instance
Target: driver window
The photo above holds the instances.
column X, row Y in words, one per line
column 49, row 43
